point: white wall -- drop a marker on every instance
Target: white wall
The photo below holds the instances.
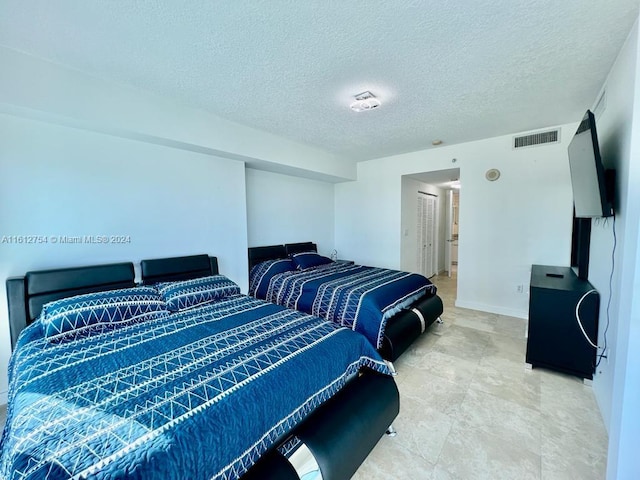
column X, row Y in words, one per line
column 368, row 218
column 56, row 181
column 617, row 383
column 623, row 440
column 285, row 209
column 409, row 224
column 523, row 218
column 614, row 135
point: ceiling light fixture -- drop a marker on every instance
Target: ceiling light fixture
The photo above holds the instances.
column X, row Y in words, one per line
column 365, row 101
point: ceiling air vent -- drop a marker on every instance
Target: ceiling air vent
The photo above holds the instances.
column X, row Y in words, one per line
column 540, row 138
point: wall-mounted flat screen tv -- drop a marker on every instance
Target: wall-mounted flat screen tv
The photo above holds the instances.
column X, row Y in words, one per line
column 587, row 172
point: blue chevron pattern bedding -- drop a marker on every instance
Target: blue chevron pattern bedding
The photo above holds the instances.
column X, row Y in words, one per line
column 198, row 394
column 362, row 298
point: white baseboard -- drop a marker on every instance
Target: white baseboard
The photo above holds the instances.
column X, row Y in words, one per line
column 4, row 398
column 511, row 312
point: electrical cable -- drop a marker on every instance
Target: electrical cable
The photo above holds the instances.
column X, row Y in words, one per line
column 593, row 290
column 613, row 264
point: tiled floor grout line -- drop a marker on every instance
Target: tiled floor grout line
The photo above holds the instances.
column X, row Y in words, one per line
column 479, row 374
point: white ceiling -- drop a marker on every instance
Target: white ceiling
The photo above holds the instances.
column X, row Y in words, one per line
column 456, row 71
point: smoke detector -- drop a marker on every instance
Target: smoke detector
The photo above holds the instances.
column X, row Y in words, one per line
column 492, row 174
column 365, row 101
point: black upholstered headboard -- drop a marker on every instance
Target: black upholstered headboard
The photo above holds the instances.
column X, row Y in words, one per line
column 292, row 248
column 274, row 252
column 262, row 254
column 178, row 268
column 26, row 295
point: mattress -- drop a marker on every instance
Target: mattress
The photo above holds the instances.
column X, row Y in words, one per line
column 359, row 297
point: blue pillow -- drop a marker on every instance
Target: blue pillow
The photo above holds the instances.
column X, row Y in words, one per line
column 306, row 260
column 262, row 273
column 190, row 293
column 83, row 313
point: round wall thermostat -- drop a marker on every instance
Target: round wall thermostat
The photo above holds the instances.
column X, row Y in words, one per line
column 492, row 174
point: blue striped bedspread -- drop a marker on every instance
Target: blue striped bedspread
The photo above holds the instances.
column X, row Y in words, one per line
column 361, row 298
column 199, row 394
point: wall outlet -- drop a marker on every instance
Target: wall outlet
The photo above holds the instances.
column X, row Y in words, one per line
column 520, row 288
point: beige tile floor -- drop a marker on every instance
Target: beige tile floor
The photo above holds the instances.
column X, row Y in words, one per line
column 470, row 410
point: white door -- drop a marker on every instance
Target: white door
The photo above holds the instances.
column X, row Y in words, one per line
column 426, row 234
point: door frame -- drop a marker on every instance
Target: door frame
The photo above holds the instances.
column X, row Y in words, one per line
column 448, row 241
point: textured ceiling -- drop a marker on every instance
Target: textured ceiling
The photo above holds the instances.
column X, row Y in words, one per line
column 456, row 71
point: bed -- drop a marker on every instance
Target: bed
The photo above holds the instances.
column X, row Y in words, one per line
column 206, row 391
column 400, row 309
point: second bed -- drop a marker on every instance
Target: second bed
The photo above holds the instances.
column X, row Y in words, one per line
column 391, row 308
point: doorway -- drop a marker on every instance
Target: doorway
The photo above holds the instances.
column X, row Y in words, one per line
column 430, row 226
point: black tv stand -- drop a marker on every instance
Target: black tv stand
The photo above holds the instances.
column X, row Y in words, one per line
column 555, row 340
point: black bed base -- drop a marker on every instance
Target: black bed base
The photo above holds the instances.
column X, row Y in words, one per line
column 405, row 327
column 341, row 433
column 401, row 330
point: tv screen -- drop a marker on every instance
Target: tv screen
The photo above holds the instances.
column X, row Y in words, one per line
column 587, row 172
